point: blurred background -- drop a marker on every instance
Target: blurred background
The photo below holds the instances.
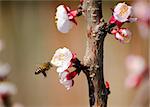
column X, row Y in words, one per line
column 30, row 37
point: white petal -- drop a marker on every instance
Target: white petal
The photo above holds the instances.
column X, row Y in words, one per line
column 62, row 58
column 61, row 12
column 62, row 75
column 64, row 26
column 63, row 80
column 126, row 32
column 63, row 23
column 60, row 69
column 7, row 88
column 126, row 35
column 118, row 36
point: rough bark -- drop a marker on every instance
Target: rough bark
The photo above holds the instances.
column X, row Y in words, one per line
column 94, row 53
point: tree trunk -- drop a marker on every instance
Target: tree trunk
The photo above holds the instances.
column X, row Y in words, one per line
column 94, row 53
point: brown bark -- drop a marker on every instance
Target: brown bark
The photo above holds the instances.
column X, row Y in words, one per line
column 94, row 53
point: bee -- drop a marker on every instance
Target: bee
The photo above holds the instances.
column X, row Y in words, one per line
column 42, row 68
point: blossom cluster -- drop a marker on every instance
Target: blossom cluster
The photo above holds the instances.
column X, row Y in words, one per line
column 122, row 34
column 122, row 14
column 63, row 59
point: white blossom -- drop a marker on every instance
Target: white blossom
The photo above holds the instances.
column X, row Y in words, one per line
column 63, row 80
column 122, row 12
column 62, row 20
column 62, row 59
column 4, row 70
column 7, row 88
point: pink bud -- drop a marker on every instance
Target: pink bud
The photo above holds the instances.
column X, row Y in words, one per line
column 74, row 55
column 114, row 31
column 107, row 84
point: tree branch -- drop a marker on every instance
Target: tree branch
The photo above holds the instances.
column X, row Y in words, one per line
column 94, row 53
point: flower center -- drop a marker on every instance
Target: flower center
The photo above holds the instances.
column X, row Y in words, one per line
column 61, row 57
column 123, row 10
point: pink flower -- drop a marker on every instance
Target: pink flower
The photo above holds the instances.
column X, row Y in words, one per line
column 136, row 68
column 133, row 80
column 143, row 14
column 143, row 11
column 122, row 34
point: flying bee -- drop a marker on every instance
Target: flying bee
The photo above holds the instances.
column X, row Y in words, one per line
column 42, row 68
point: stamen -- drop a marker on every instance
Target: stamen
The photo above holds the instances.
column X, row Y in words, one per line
column 123, row 10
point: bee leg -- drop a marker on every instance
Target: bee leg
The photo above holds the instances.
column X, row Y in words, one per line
column 37, row 72
column 44, row 73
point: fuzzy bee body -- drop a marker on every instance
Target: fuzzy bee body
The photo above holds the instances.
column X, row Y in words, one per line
column 42, row 68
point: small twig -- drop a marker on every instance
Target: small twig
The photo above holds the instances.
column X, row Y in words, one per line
column 91, row 90
column 79, row 10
